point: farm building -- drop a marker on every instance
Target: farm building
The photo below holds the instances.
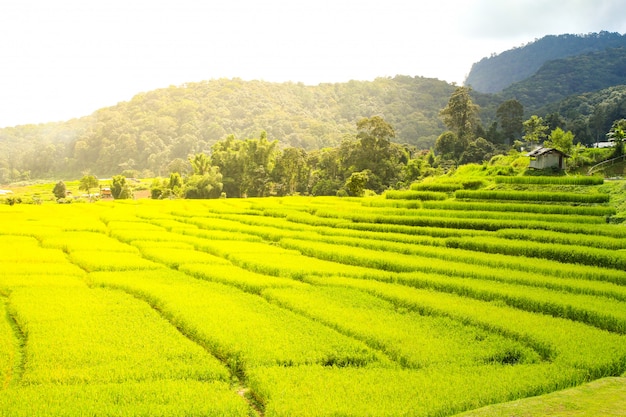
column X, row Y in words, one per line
column 105, row 192
column 542, row 158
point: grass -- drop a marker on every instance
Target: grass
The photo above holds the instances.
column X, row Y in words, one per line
column 314, row 306
column 604, row 397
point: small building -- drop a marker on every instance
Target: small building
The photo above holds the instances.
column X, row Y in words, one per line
column 542, row 158
column 105, row 192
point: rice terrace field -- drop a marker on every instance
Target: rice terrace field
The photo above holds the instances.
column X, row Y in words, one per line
column 427, row 302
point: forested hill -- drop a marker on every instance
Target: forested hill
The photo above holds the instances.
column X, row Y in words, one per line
column 155, row 127
column 495, row 73
column 561, row 78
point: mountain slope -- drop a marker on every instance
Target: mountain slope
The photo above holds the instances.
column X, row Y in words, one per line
column 155, row 127
column 495, row 73
column 562, row 78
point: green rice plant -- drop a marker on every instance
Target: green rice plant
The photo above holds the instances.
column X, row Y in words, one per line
column 241, row 278
column 71, row 241
column 442, row 187
column 173, row 258
column 562, row 197
column 10, row 349
column 82, row 335
column 129, row 236
column 483, row 224
column 296, row 266
column 399, row 333
column 520, row 217
column 406, row 204
column 41, row 268
column 91, row 260
column 241, row 329
column 20, row 252
column 213, row 234
column 578, row 239
column 595, row 310
column 165, row 398
column 561, row 341
column 521, row 208
column 43, row 278
column 397, row 229
column 578, row 279
column 315, row 391
column 414, row 195
column 576, row 180
column 558, row 252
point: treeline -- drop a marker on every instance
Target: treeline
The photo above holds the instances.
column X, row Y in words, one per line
column 256, row 167
column 157, row 127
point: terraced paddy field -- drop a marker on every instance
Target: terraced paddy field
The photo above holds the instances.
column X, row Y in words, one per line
column 308, row 306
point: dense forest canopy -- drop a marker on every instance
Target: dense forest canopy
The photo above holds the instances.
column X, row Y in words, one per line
column 495, row 73
column 156, row 127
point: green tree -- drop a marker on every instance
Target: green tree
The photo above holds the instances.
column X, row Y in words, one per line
column 291, row 172
column 511, row 116
column 227, row 156
column 355, row 184
column 60, row 190
column 534, row 130
column 561, row 140
column 461, row 115
column 450, row 146
column 120, row 188
column 200, row 163
column 208, row 185
column 618, row 135
column 87, row 182
column 477, row 151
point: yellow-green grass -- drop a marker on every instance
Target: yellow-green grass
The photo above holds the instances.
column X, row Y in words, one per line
column 236, row 276
column 605, row 397
column 353, row 392
column 414, row 340
column 91, row 241
column 10, row 352
column 242, row 329
column 94, row 260
column 559, row 340
column 82, row 335
column 315, row 316
column 164, row 398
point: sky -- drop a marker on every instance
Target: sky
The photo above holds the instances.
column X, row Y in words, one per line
column 64, row 59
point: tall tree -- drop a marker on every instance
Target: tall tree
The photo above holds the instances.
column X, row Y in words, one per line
column 511, row 116
column 450, row 146
column 60, row 190
column 88, row 182
column 618, row 135
column 461, row 114
column 207, row 185
column 561, row 140
column 290, row 174
column 200, row 163
column 120, row 188
column 534, row 130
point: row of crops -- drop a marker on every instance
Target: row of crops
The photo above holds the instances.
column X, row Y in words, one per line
column 305, row 306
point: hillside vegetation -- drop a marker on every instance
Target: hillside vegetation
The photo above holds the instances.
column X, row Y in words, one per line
column 495, row 73
column 156, row 127
column 153, row 132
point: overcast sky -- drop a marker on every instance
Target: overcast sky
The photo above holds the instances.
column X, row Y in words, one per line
column 67, row 58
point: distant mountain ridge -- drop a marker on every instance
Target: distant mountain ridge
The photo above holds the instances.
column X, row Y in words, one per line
column 562, row 78
column 496, row 73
